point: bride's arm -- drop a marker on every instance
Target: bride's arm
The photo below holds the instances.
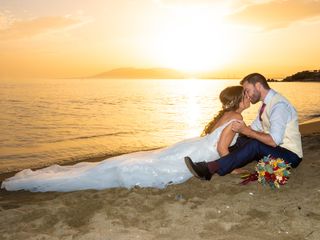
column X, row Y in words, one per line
column 225, row 140
column 227, row 136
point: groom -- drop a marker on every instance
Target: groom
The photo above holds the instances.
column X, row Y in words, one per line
column 274, row 132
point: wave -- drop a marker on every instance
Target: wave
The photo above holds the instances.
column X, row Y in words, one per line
column 91, row 136
column 314, row 115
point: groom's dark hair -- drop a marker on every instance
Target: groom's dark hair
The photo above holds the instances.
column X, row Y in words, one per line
column 253, row 78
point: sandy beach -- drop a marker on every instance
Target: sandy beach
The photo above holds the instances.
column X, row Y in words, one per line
column 219, row 209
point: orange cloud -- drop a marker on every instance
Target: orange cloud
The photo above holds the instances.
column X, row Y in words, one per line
column 28, row 28
column 277, row 14
column 5, row 19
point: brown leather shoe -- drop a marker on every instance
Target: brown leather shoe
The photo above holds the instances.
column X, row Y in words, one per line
column 199, row 170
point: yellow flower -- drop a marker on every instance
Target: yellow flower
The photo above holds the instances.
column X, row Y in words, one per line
column 262, row 173
column 274, row 163
column 279, row 172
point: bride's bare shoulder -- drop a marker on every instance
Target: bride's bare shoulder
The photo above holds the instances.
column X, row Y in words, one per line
column 227, row 117
column 234, row 115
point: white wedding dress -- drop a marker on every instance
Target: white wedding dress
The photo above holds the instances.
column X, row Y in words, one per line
column 155, row 168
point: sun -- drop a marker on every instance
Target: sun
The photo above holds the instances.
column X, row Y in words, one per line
column 196, row 42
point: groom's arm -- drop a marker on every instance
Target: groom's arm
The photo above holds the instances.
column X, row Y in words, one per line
column 256, row 125
column 241, row 127
column 279, row 116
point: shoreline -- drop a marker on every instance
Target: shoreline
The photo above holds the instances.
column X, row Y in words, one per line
column 307, row 128
column 310, row 127
column 4, row 175
column 218, row 209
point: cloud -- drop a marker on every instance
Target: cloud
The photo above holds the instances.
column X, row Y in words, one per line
column 31, row 27
column 276, row 14
column 182, row 2
column 5, row 19
column 191, row 3
column 204, row 2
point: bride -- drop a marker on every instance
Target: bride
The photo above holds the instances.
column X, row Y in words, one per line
column 155, row 168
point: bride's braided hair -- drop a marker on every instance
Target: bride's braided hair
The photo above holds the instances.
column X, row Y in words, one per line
column 230, row 98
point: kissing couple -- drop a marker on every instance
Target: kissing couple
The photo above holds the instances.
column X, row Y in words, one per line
column 274, row 132
column 225, row 145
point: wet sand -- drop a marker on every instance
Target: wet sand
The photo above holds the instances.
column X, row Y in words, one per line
column 219, row 209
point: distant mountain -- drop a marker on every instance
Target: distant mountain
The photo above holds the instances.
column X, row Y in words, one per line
column 304, row 76
column 134, row 73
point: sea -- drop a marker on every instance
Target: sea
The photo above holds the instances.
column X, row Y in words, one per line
column 60, row 121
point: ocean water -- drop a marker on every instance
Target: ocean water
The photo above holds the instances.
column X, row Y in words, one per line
column 47, row 121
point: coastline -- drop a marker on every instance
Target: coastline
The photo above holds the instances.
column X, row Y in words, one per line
column 216, row 209
column 310, row 127
column 4, row 175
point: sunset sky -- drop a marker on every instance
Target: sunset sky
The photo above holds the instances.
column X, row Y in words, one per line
column 65, row 38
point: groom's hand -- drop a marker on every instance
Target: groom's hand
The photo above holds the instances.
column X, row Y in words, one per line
column 239, row 126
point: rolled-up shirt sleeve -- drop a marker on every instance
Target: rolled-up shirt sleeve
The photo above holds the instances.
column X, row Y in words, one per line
column 279, row 117
column 256, row 125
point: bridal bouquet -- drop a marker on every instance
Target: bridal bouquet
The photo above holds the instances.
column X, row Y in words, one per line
column 272, row 171
column 269, row 171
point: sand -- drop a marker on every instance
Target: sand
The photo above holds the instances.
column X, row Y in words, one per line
column 219, row 209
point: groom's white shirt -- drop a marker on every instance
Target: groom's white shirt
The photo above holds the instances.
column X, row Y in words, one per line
column 281, row 114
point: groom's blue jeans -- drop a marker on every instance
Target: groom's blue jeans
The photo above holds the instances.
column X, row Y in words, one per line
column 247, row 150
